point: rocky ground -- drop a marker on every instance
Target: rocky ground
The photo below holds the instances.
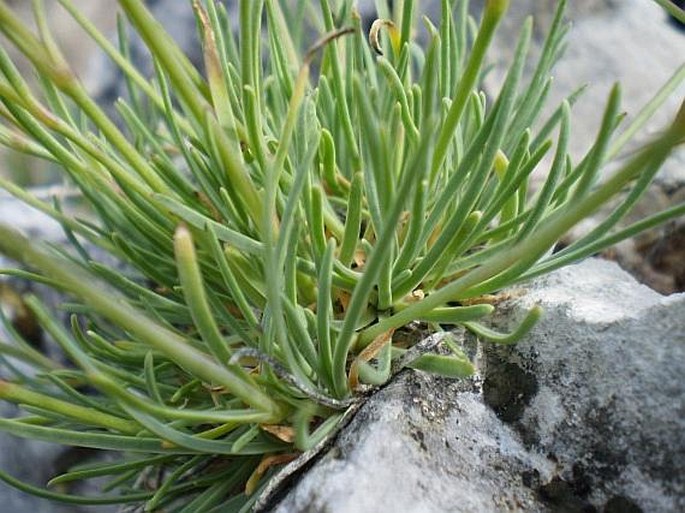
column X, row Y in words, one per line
column 585, row 415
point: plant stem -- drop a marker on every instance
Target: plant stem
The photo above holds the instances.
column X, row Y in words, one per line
column 493, row 12
column 531, row 248
column 18, row 394
column 114, row 307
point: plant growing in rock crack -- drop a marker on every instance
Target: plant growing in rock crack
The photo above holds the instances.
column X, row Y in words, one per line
column 281, row 220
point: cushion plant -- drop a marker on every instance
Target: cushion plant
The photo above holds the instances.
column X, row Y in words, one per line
column 282, row 218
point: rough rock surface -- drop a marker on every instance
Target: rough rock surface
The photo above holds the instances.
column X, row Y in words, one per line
column 598, row 387
column 423, row 445
column 584, row 415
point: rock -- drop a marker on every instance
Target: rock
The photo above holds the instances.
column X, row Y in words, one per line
column 608, row 401
column 422, row 444
column 585, row 414
column 29, row 220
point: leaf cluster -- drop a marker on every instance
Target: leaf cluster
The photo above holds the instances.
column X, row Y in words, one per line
column 280, row 218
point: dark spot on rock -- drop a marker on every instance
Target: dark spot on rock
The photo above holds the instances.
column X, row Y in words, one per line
column 582, row 482
column 618, row 504
column 561, row 496
column 608, row 452
column 419, row 437
column 508, row 389
column 667, row 254
column 530, row 478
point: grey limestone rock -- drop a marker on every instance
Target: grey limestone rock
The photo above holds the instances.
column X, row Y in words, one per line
column 421, row 445
column 605, row 399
